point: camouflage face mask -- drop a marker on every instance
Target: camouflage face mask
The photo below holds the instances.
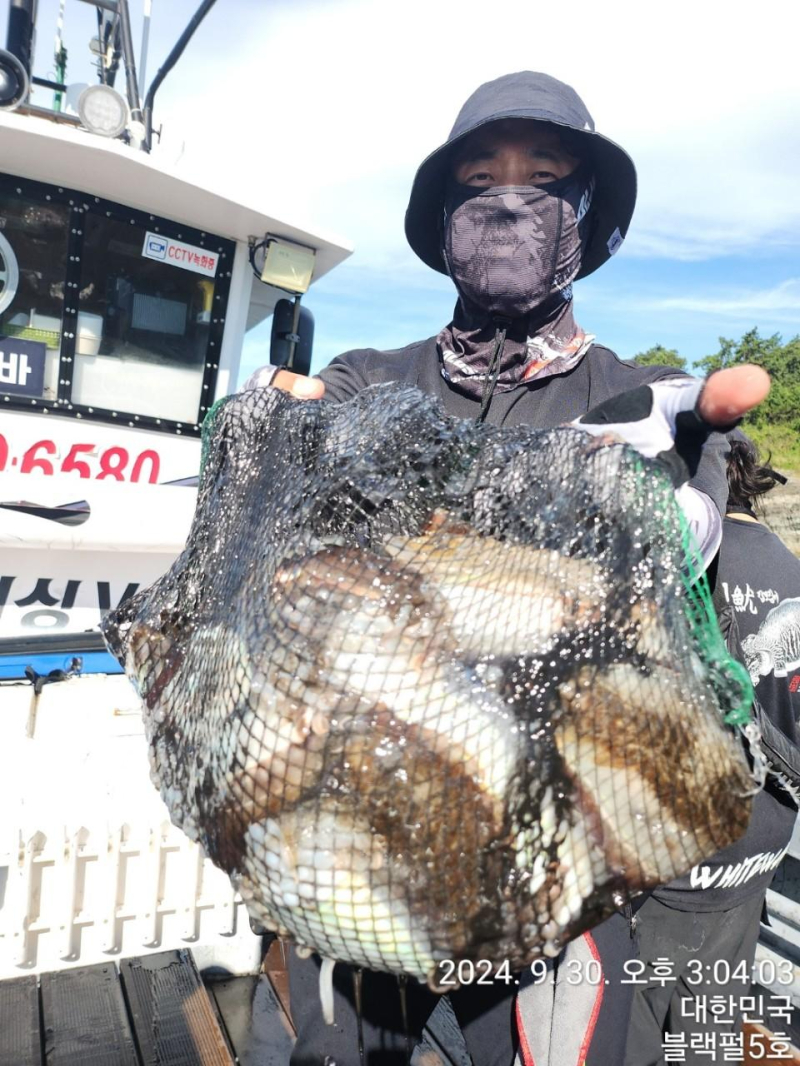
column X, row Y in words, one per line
column 510, row 248
column 513, row 252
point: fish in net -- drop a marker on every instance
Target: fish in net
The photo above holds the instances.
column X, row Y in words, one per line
column 432, row 690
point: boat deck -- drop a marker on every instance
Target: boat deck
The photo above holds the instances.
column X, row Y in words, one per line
column 149, row 1010
column 156, row 1010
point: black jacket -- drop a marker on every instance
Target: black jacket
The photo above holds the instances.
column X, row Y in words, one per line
column 542, row 404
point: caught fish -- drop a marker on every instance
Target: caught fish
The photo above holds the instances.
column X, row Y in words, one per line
column 432, row 696
column 504, row 599
column 375, row 633
column 653, row 788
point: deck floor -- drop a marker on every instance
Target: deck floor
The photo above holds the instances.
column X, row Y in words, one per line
column 152, row 1011
column 157, row 1011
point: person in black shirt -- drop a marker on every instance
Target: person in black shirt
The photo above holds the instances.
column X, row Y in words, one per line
column 522, row 199
column 712, row 914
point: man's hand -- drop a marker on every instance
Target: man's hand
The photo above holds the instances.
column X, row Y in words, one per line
column 671, row 418
column 730, row 394
column 298, row 385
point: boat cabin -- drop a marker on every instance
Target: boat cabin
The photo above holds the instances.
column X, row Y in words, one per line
column 126, row 290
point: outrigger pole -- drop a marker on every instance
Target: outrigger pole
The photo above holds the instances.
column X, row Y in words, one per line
column 169, row 63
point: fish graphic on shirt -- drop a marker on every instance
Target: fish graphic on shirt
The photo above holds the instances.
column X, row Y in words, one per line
column 775, row 648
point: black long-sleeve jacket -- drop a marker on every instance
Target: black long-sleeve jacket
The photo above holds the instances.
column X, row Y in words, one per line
column 542, row 404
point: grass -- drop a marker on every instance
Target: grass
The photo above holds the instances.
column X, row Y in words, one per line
column 780, row 444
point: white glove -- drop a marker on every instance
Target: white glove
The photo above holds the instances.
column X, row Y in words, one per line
column 661, row 422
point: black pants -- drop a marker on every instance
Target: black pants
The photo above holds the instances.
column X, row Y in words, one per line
column 485, row 1013
column 691, row 942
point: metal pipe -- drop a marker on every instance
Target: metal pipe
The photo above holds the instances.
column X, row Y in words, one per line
column 126, row 37
column 60, row 117
column 45, row 83
column 21, row 26
column 293, row 336
column 784, row 908
column 113, row 66
column 107, row 5
column 167, row 66
column 101, row 62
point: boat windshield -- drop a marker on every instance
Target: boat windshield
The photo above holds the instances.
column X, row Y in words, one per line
column 111, row 312
column 143, row 342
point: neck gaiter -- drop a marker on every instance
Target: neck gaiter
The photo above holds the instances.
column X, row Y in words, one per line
column 512, row 252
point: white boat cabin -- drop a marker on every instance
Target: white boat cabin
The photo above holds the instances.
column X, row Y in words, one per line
column 126, row 288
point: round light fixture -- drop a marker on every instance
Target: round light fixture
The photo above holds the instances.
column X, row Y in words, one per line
column 102, row 110
column 14, row 85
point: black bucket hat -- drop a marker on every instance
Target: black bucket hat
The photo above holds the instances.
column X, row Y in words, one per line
column 544, row 99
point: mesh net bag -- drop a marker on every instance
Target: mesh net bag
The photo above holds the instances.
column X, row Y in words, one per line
column 431, row 690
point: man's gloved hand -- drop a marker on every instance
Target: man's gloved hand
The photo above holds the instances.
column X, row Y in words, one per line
column 671, row 420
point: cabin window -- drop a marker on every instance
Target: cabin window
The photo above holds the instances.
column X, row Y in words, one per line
column 33, row 256
column 106, row 312
column 145, row 336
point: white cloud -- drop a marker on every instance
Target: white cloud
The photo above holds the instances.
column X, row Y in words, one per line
column 779, row 301
column 336, row 103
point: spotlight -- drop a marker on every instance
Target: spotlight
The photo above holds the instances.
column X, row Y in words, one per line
column 102, row 110
column 14, row 85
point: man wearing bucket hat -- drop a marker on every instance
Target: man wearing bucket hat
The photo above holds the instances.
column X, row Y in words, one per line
column 522, row 199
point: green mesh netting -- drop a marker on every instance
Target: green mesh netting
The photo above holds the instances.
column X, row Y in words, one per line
column 434, row 690
column 726, row 674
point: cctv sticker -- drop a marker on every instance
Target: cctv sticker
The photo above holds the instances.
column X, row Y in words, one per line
column 180, row 254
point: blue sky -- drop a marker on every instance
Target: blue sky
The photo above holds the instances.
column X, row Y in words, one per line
column 329, row 106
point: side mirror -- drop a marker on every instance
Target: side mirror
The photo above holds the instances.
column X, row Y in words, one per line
column 14, row 84
column 280, row 347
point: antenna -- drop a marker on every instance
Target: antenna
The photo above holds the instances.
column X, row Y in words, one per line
column 148, row 6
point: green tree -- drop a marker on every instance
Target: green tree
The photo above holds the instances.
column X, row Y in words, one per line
column 658, row 355
column 781, row 361
column 774, row 424
column 752, row 348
